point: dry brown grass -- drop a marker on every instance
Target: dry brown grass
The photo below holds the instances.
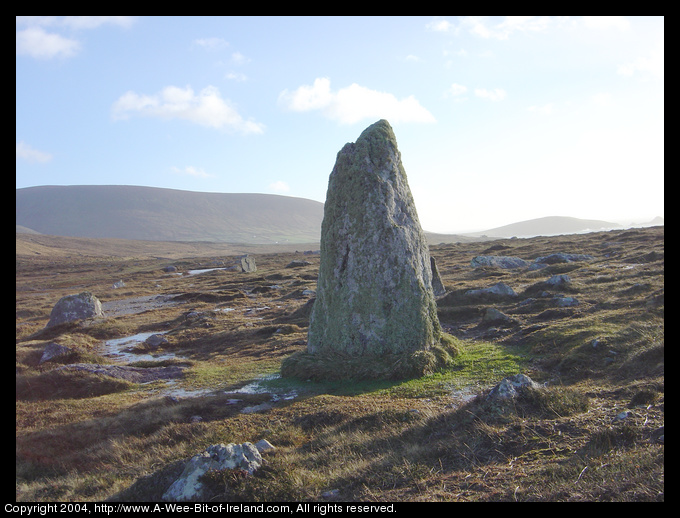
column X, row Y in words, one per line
column 88, row 437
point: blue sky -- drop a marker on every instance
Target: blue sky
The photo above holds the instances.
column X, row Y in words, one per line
column 498, row 119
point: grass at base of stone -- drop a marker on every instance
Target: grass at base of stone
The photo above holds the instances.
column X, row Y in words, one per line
column 333, row 367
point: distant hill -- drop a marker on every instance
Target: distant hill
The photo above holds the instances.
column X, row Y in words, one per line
column 549, row 226
column 154, row 214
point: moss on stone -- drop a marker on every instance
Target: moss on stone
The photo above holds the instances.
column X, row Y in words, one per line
column 374, row 293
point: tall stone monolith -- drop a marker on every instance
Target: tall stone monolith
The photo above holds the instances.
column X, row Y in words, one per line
column 375, row 313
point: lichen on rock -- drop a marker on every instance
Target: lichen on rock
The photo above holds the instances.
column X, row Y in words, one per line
column 375, row 300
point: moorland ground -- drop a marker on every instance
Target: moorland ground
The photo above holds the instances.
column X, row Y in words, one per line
column 594, row 433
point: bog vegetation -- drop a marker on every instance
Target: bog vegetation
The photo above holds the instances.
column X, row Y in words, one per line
column 593, row 433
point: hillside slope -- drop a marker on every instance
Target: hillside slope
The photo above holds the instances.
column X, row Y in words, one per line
column 550, row 226
column 154, row 214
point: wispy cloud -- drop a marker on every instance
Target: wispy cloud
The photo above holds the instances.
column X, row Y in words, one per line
column 353, row 103
column 190, row 170
column 33, row 40
column 651, row 63
column 497, row 94
column 439, row 26
column 456, row 89
column 606, row 22
column 26, row 152
column 211, row 43
column 207, row 108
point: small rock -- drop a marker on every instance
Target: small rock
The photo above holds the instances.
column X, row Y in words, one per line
column 263, row 445
column 621, row 416
column 558, row 280
column 75, row 307
column 156, row 340
column 566, row 302
column 248, row 264
column 297, row 264
column 499, row 290
column 492, row 315
column 119, row 284
column 498, row 261
column 216, row 457
column 508, row 387
column 53, row 351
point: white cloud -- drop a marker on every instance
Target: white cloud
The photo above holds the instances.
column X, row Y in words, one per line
column 37, row 43
column 652, row 63
column 26, row 152
column 456, row 89
column 439, row 26
column 211, row 43
column 353, row 103
column 193, row 171
column 279, row 186
column 483, row 27
column 606, row 22
column 239, row 58
column 207, row 108
column 236, row 76
column 497, row 94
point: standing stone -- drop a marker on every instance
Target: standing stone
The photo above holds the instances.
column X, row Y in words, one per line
column 375, row 303
column 247, row 264
column 75, row 307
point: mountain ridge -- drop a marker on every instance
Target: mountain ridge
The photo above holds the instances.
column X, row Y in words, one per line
column 159, row 214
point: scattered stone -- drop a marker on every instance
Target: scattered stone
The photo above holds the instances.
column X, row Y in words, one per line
column 119, row 284
column 216, row 457
column 170, row 269
column 558, row 280
column 499, row 261
column 621, row 416
column 566, row 302
column 297, row 263
column 247, row 264
column 437, row 283
column 54, row 351
column 509, row 387
column 195, row 419
column 263, row 446
column 499, row 290
column 155, row 341
column 75, row 307
column 374, row 291
column 494, row 316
